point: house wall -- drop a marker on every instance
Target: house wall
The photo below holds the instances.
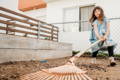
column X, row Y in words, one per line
column 38, row 14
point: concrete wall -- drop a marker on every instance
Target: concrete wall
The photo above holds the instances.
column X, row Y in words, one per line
column 15, row 48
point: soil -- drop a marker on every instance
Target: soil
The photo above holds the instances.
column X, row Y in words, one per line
column 97, row 71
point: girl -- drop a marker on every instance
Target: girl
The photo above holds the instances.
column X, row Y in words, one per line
column 101, row 31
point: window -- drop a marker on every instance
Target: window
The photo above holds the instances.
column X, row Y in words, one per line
column 85, row 14
column 75, row 19
column 70, row 16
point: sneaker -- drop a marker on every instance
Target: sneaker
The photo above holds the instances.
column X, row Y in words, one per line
column 112, row 61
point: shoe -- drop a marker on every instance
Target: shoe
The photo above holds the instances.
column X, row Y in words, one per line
column 112, row 61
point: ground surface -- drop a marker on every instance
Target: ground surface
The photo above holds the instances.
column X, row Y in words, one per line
column 99, row 71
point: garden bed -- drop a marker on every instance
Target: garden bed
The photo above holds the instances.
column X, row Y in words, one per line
column 99, row 71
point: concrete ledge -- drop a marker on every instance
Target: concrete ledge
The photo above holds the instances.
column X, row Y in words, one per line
column 9, row 41
column 15, row 48
column 26, row 55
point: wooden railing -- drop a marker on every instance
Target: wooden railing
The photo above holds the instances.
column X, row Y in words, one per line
column 14, row 23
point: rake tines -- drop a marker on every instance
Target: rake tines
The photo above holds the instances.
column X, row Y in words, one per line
column 65, row 72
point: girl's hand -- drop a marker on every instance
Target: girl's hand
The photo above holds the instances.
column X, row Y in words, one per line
column 102, row 38
column 105, row 37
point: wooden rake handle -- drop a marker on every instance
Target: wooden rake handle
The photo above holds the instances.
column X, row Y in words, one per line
column 75, row 57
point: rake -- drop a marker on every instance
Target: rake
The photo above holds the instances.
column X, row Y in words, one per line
column 66, row 72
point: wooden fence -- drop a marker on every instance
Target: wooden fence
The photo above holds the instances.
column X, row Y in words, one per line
column 14, row 23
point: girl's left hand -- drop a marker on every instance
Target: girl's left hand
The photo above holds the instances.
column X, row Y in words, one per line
column 105, row 37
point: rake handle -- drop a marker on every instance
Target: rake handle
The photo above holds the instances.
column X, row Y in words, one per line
column 74, row 58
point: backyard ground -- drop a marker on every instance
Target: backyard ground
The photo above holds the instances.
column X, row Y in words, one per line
column 99, row 71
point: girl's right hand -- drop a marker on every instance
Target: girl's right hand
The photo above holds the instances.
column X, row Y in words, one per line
column 101, row 38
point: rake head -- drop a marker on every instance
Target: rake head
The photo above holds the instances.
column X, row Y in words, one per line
column 65, row 72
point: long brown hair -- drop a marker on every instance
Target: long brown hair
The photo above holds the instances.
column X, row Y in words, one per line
column 93, row 17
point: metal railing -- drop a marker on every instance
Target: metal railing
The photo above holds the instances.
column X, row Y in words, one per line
column 81, row 23
column 14, row 23
column 83, row 26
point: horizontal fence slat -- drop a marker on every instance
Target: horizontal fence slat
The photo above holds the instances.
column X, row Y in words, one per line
column 55, row 30
column 47, row 32
column 15, row 13
column 15, row 30
column 55, row 38
column 45, row 27
column 17, row 25
column 48, row 28
column 17, row 19
column 43, row 35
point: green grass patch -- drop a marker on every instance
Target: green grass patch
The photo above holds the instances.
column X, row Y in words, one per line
column 74, row 52
column 100, row 54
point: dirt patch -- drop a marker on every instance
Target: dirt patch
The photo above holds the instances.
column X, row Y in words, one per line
column 98, row 71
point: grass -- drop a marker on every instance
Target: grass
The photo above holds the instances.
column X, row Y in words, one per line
column 46, row 38
column 85, row 54
column 74, row 52
column 100, row 54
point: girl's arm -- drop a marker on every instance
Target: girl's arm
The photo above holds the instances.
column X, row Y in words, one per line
column 108, row 30
column 96, row 31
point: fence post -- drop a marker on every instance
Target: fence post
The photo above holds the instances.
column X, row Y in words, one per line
column 52, row 32
column 57, row 33
column 39, row 30
column 7, row 29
